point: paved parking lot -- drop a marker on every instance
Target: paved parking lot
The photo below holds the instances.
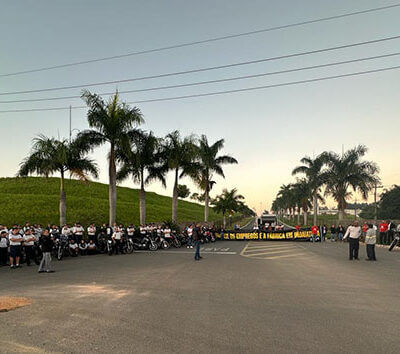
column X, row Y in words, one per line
column 243, row 297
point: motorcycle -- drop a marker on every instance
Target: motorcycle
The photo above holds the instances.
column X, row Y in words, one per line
column 128, row 245
column 102, row 243
column 61, row 248
column 396, row 241
column 146, row 242
column 161, row 242
column 110, row 246
column 175, row 241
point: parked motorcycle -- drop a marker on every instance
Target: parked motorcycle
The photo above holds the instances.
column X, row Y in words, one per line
column 146, row 242
column 110, row 246
column 128, row 245
column 161, row 242
column 61, row 248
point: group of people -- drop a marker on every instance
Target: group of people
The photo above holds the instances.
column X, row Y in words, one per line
column 367, row 232
column 18, row 240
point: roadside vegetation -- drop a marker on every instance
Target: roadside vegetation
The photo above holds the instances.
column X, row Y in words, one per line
column 329, row 174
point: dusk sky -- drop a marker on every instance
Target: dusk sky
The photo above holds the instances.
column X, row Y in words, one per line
column 268, row 131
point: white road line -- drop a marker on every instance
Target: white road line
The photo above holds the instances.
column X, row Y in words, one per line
column 180, row 252
column 285, row 256
column 262, row 253
column 270, row 248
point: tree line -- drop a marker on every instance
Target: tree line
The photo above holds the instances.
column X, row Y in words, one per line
column 133, row 153
column 328, row 174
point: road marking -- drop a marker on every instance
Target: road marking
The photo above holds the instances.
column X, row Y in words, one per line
column 272, row 251
column 184, row 252
column 269, row 249
column 269, row 252
column 285, row 256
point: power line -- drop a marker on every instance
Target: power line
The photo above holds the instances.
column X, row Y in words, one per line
column 219, row 92
column 215, row 39
column 286, row 56
column 212, row 81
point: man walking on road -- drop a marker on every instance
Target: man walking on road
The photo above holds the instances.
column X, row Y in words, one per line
column 354, row 233
column 196, row 238
column 46, row 243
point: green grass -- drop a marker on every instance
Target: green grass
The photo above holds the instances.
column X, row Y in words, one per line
column 35, row 199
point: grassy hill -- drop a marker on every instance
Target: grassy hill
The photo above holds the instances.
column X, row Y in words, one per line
column 35, row 199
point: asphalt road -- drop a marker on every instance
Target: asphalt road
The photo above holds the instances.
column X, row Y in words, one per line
column 243, row 297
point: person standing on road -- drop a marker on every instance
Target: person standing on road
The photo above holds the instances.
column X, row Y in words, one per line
column 324, row 232
column 196, row 238
column 15, row 247
column 383, row 230
column 354, row 233
column 340, row 231
column 370, row 241
column 46, row 244
column 3, row 247
column 29, row 241
column 333, row 233
column 314, row 231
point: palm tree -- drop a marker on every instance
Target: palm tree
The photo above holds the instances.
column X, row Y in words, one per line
column 312, row 169
column 349, row 170
column 142, row 160
column 208, row 162
column 110, row 121
column 303, row 194
column 178, row 156
column 228, row 202
column 49, row 156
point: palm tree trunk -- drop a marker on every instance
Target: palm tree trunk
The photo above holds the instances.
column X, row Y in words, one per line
column 206, row 204
column 142, row 201
column 62, row 203
column 304, row 217
column 341, row 215
column 298, row 216
column 112, row 187
column 224, row 218
column 315, row 205
column 175, row 197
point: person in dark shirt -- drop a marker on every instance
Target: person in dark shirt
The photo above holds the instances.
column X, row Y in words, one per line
column 333, row 233
column 46, row 244
column 197, row 238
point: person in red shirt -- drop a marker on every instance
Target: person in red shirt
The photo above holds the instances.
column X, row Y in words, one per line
column 383, row 232
column 364, row 229
column 297, row 227
column 314, row 231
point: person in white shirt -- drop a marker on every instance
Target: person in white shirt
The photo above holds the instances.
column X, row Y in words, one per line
column 117, row 236
column 130, row 230
column 91, row 231
column 73, row 248
column 66, row 231
column 3, row 247
column 15, row 247
column 78, row 231
column 353, row 233
column 91, row 247
column 167, row 232
column 190, row 236
column 29, row 241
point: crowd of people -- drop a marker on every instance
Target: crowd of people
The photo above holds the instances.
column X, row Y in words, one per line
column 17, row 240
column 370, row 233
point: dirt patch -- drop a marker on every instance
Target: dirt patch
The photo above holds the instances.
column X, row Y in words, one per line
column 8, row 303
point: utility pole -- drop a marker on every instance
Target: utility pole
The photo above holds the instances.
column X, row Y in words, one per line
column 376, row 203
column 355, row 208
column 70, row 124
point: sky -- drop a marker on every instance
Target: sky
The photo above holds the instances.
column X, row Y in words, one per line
column 267, row 131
